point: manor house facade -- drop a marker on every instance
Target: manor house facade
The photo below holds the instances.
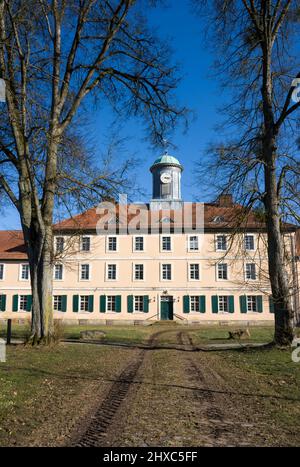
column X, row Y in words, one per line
column 166, row 260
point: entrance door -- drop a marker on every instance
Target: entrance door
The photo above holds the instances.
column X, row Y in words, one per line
column 166, row 308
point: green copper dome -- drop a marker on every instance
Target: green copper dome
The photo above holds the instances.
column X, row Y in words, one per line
column 166, row 159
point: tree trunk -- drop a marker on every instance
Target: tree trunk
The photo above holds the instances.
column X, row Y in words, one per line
column 283, row 335
column 39, row 246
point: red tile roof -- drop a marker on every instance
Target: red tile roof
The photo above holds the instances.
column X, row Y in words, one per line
column 216, row 218
column 12, row 245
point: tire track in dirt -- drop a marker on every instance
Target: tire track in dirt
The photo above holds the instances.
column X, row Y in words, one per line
column 220, row 422
column 96, row 432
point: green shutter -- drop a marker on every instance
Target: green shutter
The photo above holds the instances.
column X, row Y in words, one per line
column 231, row 304
column 29, row 303
column 146, row 303
column 15, row 303
column 243, row 304
column 202, row 304
column 102, row 303
column 75, row 303
column 64, row 303
column 186, row 304
column 2, row 302
column 118, row 303
column 130, row 303
column 271, row 304
column 91, row 303
column 214, row 304
column 259, row 304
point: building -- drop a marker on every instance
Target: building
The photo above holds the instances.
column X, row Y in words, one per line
column 166, row 260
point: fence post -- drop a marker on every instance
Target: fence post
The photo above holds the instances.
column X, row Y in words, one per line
column 8, row 332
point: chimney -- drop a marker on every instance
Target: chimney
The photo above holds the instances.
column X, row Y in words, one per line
column 225, row 201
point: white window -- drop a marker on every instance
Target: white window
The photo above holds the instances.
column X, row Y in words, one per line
column 60, row 243
column 111, row 272
column 112, row 243
column 252, row 303
column 84, row 303
column 193, row 243
column 138, row 272
column 222, row 271
column 249, row 242
column 138, row 303
column 23, row 302
column 1, row 272
column 194, row 303
column 194, row 272
column 58, row 272
column 111, row 303
column 85, row 272
column 24, row 272
column 223, row 303
column 139, row 243
column 221, row 243
column 166, row 243
column 166, row 272
column 57, row 303
column 85, row 244
column 250, row 271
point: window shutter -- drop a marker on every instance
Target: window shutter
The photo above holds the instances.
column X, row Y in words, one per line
column 75, row 303
column 102, row 303
column 2, row 302
column 259, row 304
column 186, row 304
column 146, row 303
column 202, row 304
column 29, row 303
column 118, row 304
column 231, row 304
column 64, row 303
column 130, row 303
column 15, row 303
column 91, row 303
column 271, row 304
column 243, row 304
column 214, row 304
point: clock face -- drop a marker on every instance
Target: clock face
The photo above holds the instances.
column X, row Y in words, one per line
column 165, row 177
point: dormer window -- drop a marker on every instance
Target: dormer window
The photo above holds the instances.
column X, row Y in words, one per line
column 218, row 219
column 166, row 220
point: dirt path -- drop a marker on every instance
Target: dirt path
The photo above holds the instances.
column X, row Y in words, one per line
column 94, row 433
column 171, row 397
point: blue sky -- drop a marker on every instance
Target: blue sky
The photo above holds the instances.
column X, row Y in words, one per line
column 198, row 91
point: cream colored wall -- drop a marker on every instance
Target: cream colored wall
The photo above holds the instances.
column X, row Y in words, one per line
column 152, row 285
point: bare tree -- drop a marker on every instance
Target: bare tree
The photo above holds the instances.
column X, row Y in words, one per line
column 55, row 55
column 258, row 157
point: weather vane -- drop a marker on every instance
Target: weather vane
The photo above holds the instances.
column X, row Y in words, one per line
column 166, row 145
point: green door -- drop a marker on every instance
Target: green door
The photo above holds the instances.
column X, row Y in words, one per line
column 166, row 309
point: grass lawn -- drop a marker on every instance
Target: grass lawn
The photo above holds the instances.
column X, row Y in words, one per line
column 273, row 379
column 43, row 391
column 139, row 334
column 129, row 334
column 46, row 392
column 219, row 334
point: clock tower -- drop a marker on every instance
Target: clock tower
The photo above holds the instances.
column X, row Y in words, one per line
column 166, row 175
